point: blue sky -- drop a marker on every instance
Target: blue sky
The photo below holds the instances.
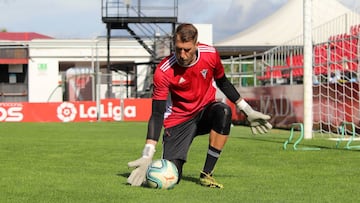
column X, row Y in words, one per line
column 82, row 18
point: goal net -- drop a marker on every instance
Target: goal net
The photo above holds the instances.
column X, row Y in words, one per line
column 275, row 79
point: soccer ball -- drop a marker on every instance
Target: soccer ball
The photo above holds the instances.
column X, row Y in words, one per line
column 162, row 174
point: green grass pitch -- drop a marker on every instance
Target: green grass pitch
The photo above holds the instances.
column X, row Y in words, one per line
column 87, row 162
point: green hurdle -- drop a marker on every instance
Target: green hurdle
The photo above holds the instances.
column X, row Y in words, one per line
column 353, row 134
column 299, row 126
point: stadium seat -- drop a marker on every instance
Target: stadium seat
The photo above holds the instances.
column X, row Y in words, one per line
column 335, row 59
column 267, row 74
column 318, row 70
column 353, row 66
column 355, row 30
column 352, row 48
column 299, row 61
column 320, row 54
column 298, row 72
column 332, row 40
column 320, row 59
column 295, row 61
column 275, row 71
column 296, row 64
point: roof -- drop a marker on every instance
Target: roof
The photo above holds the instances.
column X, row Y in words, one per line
column 286, row 24
column 22, row 36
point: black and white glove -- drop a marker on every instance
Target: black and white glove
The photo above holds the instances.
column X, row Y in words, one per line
column 258, row 121
column 138, row 175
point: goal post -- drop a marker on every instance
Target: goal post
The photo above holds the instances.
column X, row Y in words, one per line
column 308, row 93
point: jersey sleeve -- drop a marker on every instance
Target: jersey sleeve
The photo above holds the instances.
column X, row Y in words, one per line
column 161, row 84
column 219, row 71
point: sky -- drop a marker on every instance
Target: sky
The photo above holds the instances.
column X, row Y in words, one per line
column 82, row 18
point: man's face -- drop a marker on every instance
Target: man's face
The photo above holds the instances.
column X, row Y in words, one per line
column 185, row 52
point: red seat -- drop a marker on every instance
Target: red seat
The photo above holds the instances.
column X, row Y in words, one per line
column 275, row 71
column 266, row 75
column 355, row 30
column 320, row 59
column 335, row 60
column 298, row 72
column 318, row 70
column 352, row 45
column 353, row 66
column 320, row 54
column 295, row 61
column 277, row 74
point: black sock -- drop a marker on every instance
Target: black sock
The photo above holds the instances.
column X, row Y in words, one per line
column 179, row 165
column 211, row 159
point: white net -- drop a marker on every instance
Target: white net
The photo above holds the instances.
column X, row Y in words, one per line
column 336, row 89
column 335, row 76
column 336, row 71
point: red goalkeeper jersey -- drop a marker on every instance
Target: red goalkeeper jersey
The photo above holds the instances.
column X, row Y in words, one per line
column 187, row 89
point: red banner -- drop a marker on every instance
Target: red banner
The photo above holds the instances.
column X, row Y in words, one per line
column 108, row 110
column 137, row 109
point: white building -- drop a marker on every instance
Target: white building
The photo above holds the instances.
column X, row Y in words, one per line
column 51, row 60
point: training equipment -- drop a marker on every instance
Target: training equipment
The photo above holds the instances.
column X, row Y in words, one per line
column 137, row 176
column 162, row 174
column 208, row 181
column 352, row 137
column 300, row 127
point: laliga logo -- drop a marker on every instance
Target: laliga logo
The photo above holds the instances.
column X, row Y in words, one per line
column 66, row 112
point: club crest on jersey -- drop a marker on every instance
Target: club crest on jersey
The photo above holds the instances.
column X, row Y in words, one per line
column 182, row 80
column 204, row 72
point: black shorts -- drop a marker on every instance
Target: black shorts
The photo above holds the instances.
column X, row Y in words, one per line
column 177, row 140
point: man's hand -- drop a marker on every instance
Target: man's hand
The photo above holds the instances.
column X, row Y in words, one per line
column 258, row 121
column 137, row 176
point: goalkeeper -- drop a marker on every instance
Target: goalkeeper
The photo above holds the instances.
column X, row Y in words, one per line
column 183, row 101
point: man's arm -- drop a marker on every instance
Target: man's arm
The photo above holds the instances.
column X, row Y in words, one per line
column 258, row 121
column 228, row 89
column 137, row 176
column 156, row 120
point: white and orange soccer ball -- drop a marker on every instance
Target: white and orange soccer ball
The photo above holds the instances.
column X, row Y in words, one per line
column 162, row 174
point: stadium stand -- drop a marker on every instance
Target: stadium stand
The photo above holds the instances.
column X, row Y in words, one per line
column 339, row 53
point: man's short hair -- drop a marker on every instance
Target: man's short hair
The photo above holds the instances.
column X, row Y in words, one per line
column 187, row 32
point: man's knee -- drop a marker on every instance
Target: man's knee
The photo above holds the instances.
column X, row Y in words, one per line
column 222, row 118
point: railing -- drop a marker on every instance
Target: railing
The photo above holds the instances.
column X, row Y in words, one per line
column 128, row 8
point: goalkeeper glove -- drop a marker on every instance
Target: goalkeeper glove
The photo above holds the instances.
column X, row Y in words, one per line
column 258, row 121
column 137, row 176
